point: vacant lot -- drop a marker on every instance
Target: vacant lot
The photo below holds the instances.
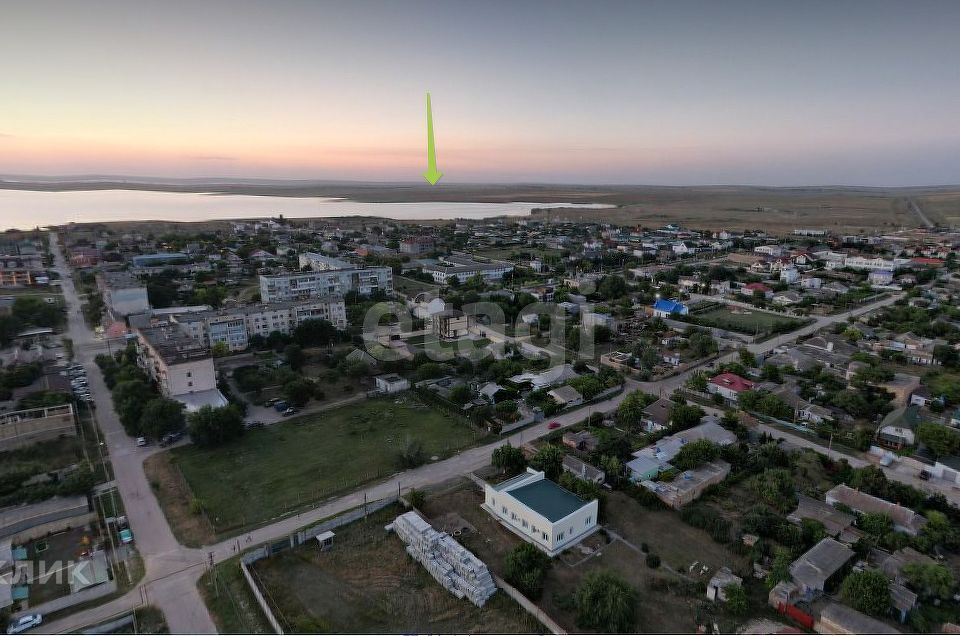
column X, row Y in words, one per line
column 274, row 470
column 670, row 598
column 412, row 286
column 368, row 584
column 746, row 321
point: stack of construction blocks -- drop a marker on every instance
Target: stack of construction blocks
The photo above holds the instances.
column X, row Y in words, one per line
column 455, row 567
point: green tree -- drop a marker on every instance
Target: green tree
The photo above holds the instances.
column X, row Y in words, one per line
column 219, row 349
column 525, row 568
column 549, row 459
column 630, row 411
column 460, row 394
column 129, row 399
column 695, row 453
column 930, row 579
column 605, row 603
column 509, row 459
column 314, row 333
column 941, row 440
column 736, row 599
column 412, row 454
column 684, row 416
column 780, row 567
column 293, row 354
column 698, row 382
column 876, row 524
column 867, row 591
column 775, row 487
column 747, row 358
column 210, row 427
column 161, row 416
column 298, row 392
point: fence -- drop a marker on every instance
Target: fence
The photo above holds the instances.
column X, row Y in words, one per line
column 262, row 602
column 529, row 605
column 83, row 596
column 296, row 539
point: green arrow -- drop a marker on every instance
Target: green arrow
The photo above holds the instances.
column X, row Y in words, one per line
column 432, row 175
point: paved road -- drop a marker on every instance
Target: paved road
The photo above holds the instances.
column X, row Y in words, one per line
column 172, row 570
column 166, row 562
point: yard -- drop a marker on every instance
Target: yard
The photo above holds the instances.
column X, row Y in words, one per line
column 746, row 321
column 275, row 470
column 671, row 598
column 367, row 584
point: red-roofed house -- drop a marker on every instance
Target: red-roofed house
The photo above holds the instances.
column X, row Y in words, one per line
column 729, row 385
column 926, row 262
column 748, row 290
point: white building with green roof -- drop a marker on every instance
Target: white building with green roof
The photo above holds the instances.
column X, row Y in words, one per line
column 548, row 516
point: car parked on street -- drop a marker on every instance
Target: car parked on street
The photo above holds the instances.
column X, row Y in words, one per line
column 553, row 425
column 289, row 411
column 25, row 622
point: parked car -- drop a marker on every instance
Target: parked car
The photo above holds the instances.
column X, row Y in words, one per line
column 22, row 624
column 289, row 411
column 256, row 424
column 924, row 475
column 553, row 425
column 271, row 401
column 281, row 406
column 142, row 441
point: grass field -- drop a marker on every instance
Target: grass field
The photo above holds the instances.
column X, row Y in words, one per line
column 367, row 584
column 412, row 286
column 746, row 321
column 274, row 470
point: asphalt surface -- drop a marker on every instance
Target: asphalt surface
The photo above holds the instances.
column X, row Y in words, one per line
column 172, row 570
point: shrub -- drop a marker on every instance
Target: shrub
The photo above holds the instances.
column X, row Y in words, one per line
column 653, row 561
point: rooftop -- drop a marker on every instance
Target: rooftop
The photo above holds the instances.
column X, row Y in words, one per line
column 173, row 345
column 547, row 498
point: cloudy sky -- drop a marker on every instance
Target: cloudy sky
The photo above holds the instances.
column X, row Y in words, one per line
column 766, row 92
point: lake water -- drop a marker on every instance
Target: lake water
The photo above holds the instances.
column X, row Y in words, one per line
column 27, row 209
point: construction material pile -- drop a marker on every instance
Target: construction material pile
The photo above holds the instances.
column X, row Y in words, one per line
column 452, row 565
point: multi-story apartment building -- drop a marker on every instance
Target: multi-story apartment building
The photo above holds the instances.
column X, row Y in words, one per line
column 123, row 293
column 338, row 282
column 236, row 326
column 180, row 364
column 321, row 263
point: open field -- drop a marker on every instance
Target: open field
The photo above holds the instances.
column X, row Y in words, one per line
column 412, row 286
column 746, row 321
column 835, row 208
column 670, row 598
column 368, row 584
column 274, row 470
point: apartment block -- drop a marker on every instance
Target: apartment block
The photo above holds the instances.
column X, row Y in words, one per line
column 236, row 326
column 180, row 364
column 337, row 282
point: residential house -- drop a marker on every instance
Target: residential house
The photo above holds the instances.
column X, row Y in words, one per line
column 729, row 385
column 580, row 440
column 582, row 470
column 820, row 567
column 904, row 519
column 566, row 396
